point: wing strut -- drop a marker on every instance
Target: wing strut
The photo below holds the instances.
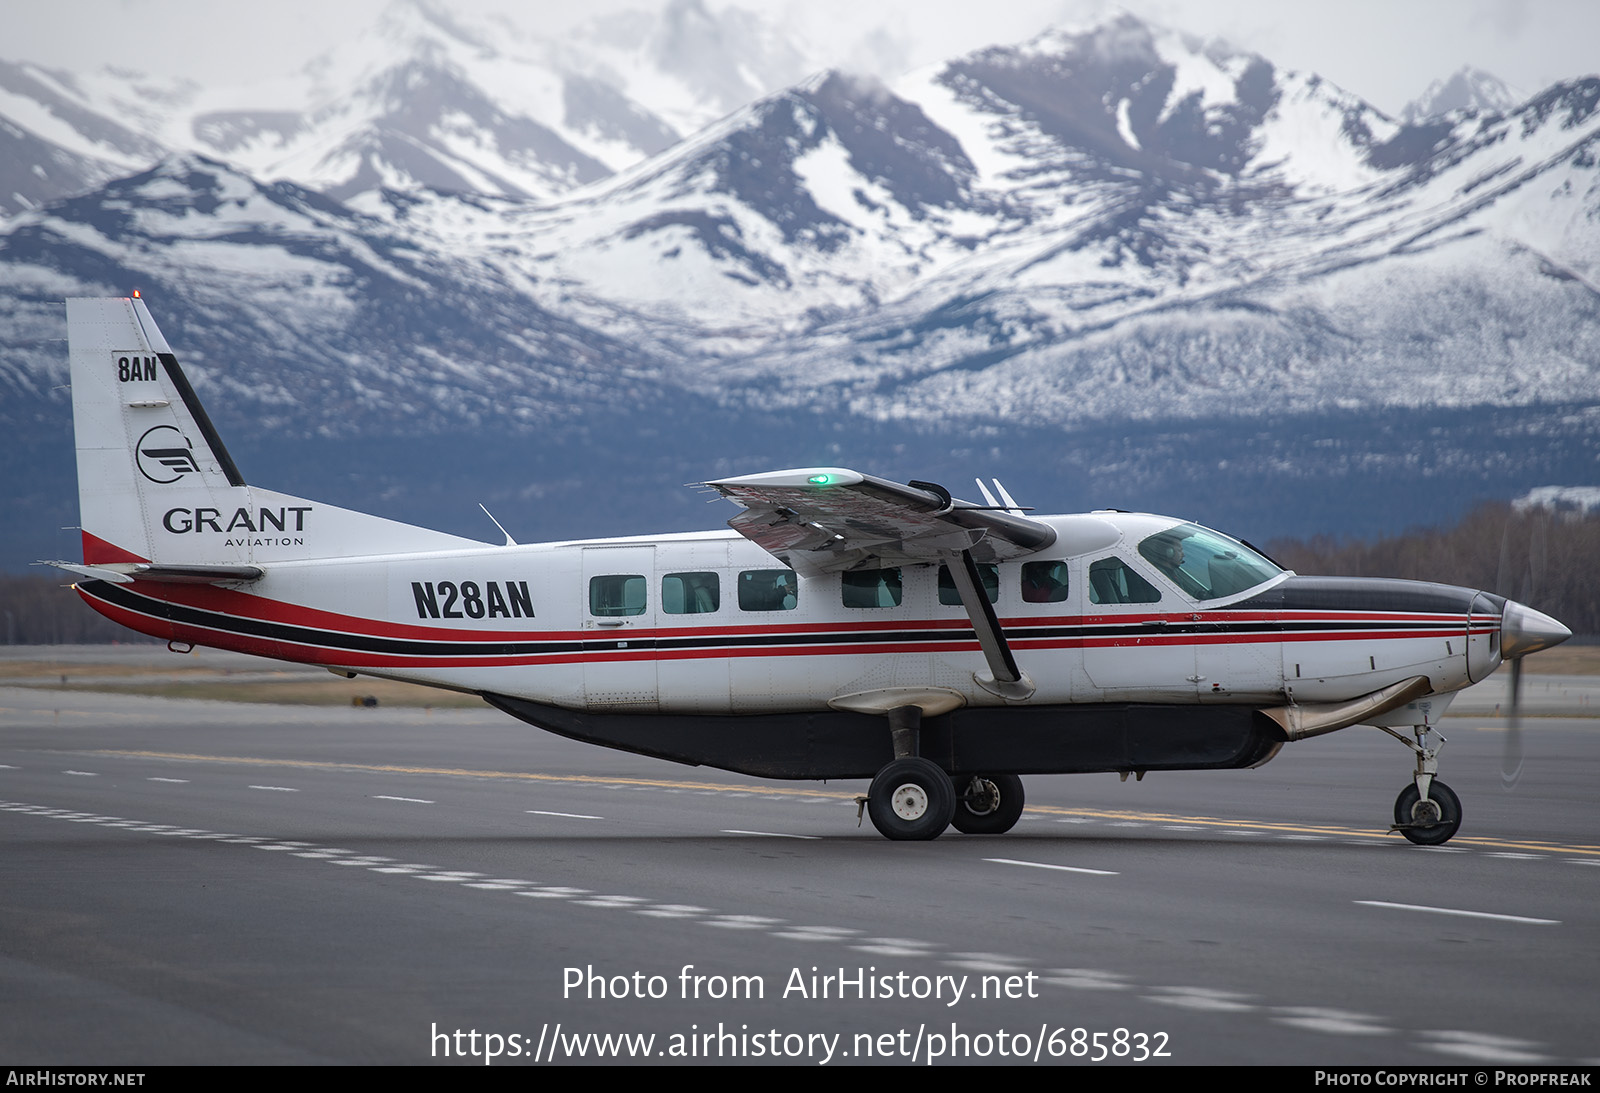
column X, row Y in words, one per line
column 1005, row 678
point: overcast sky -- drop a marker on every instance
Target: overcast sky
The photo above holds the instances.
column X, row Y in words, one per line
column 1387, row 51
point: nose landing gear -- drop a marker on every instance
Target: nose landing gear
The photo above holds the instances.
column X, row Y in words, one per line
column 1427, row 812
column 1427, row 821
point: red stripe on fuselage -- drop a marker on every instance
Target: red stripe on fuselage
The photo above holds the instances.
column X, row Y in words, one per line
column 309, row 650
column 246, row 605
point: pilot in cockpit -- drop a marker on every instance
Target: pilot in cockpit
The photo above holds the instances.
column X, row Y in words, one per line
column 1166, row 553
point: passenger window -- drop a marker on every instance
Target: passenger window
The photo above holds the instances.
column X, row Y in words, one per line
column 690, row 593
column 1044, row 582
column 988, row 576
column 1111, row 581
column 768, row 590
column 871, row 588
column 620, row 594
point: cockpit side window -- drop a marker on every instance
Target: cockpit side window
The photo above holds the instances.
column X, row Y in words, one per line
column 1111, row 581
column 1205, row 564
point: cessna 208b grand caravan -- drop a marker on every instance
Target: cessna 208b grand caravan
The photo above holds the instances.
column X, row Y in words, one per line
column 845, row 627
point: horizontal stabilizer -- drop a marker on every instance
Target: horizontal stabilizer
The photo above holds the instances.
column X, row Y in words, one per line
column 125, row 573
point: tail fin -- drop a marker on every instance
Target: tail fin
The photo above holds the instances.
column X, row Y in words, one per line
column 155, row 482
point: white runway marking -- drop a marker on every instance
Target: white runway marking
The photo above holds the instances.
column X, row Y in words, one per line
column 1484, row 1046
column 82, row 773
column 1046, row 865
column 767, row 834
column 1202, row 998
column 184, row 781
column 1329, row 1021
column 278, row 789
column 611, row 901
column 894, row 946
column 410, row 800
column 743, row 922
column 1457, row 911
column 815, row 933
column 563, row 815
column 1333, row 1021
column 1086, row 979
column 986, row 962
column 672, row 910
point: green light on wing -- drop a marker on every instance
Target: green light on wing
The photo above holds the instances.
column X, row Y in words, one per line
column 821, row 479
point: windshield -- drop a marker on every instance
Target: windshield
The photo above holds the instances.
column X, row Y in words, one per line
column 1204, row 563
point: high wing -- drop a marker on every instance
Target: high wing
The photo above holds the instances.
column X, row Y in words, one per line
column 827, row 519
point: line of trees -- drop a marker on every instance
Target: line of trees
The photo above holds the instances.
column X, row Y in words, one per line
column 38, row 609
column 1549, row 560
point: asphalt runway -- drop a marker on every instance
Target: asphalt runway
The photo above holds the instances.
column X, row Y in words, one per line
column 199, row 882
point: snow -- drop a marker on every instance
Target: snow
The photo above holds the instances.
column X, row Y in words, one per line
column 1194, row 72
column 1583, row 499
column 1065, row 290
column 38, row 120
column 1302, row 140
column 978, row 133
column 1125, row 127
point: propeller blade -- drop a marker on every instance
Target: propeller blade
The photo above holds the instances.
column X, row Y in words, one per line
column 1522, row 631
column 1511, row 761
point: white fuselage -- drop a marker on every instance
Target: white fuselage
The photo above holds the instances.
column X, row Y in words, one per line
column 677, row 636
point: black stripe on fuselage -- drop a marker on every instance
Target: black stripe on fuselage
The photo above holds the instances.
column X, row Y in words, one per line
column 127, row 599
column 1360, row 594
column 305, row 635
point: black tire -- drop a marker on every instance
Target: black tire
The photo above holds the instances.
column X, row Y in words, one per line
column 1416, row 822
column 991, row 805
column 911, row 799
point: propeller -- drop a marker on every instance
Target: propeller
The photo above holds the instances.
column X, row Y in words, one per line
column 1511, row 758
column 1522, row 631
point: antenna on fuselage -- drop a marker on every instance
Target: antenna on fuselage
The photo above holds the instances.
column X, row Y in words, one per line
column 1009, row 504
column 509, row 540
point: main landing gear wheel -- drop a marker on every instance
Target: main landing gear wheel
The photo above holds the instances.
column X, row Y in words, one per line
column 991, row 805
column 911, row 798
column 1430, row 822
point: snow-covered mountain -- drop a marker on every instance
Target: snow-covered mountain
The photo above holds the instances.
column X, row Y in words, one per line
column 1122, row 231
column 1467, row 89
column 1120, row 221
column 426, row 100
